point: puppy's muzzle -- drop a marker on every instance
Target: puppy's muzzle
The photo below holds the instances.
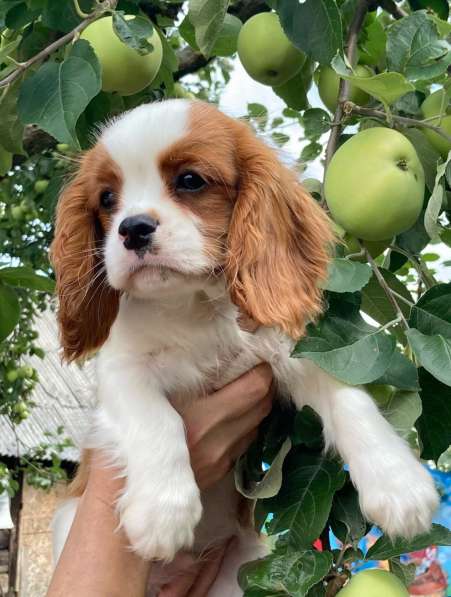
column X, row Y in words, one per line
column 137, row 232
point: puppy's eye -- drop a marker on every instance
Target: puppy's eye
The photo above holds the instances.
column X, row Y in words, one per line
column 107, row 199
column 189, row 182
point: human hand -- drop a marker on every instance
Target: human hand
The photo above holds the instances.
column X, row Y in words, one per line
column 222, row 426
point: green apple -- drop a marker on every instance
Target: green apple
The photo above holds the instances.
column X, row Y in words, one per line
column 374, row 583
column 181, row 92
column 40, row 186
column 329, row 82
column 374, row 184
column 123, row 69
column 12, row 375
column 432, row 106
column 17, row 213
column 375, row 248
column 63, row 148
column 266, row 52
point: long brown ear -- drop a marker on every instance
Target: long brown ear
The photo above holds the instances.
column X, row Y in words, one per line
column 279, row 241
column 87, row 304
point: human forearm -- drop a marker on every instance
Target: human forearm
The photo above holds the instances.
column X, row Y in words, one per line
column 97, row 560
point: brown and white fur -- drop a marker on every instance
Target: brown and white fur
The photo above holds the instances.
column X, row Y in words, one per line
column 166, row 319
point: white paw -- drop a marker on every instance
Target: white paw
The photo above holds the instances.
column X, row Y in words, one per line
column 160, row 520
column 402, row 501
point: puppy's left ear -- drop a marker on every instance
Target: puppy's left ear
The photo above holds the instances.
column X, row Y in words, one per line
column 279, row 241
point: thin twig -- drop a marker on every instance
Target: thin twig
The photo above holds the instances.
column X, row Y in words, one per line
column 386, row 288
column 402, row 299
column 351, row 108
column 422, row 271
column 78, row 10
column 391, row 7
column 45, row 53
column 343, row 90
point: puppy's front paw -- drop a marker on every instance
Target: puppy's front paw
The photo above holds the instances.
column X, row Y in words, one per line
column 159, row 525
column 402, row 502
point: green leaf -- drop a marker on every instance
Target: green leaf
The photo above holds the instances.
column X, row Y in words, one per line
column 225, row 44
column 294, row 92
column 134, row 32
column 432, row 313
column 313, row 26
column 346, row 353
column 24, row 277
column 271, row 483
column 6, row 161
column 288, row 574
column 386, row 548
column 259, row 112
column 280, row 138
column 414, row 47
column 435, row 203
column 316, row 122
column 385, row 87
column 19, row 16
column 405, row 572
column 61, row 16
column 429, row 156
column 346, row 512
column 305, row 498
column 372, row 41
column 169, row 65
column 401, row 373
column 402, row 409
column 434, row 424
column 56, row 95
column 11, row 129
column 9, row 311
column 433, row 353
column 207, row 16
column 376, row 304
column 347, row 276
column 311, row 151
column 440, row 7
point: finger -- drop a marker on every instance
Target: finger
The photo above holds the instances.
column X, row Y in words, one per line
column 208, row 573
column 188, row 568
column 235, row 429
column 240, row 395
column 242, row 445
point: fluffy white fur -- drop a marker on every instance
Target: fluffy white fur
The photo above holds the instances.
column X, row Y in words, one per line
column 178, row 336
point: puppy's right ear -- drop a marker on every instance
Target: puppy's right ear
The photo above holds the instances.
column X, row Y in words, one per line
column 87, row 303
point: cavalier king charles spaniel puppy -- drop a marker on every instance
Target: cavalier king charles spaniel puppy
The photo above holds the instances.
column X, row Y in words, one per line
column 179, row 219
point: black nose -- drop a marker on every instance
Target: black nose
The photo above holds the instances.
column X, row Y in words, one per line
column 137, row 231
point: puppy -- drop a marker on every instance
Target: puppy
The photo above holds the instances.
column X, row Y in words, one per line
column 178, row 218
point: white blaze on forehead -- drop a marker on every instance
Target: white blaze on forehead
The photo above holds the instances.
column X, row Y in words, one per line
column 146, row 131
column 135, row 141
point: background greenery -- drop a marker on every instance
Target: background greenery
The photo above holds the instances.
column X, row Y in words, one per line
column 45, row 122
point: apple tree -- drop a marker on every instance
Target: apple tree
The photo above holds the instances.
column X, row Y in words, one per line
column 380, row 136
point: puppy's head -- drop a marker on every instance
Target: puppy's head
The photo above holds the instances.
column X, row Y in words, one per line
column 173, row 195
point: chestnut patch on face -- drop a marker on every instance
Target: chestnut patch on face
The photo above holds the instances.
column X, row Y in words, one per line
column 102, row 180
column 201, row 175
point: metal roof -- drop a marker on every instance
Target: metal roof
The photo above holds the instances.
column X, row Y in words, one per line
column 64, row 396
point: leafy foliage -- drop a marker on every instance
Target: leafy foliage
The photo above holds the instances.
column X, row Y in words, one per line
column 51, row 104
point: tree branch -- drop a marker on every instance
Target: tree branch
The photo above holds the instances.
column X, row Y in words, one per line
column 189, row 62
column 45, row 53
column 343, row 91
column 350, row 108
column 385, row 287
column 391, row 7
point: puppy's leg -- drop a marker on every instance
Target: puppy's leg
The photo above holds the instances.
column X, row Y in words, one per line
column 395, row 490
column 246, row 547
column 145, row 437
